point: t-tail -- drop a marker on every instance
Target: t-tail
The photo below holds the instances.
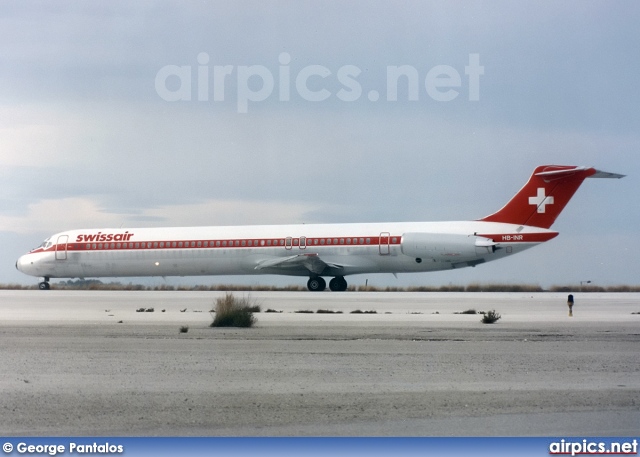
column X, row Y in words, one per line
column 545, row 195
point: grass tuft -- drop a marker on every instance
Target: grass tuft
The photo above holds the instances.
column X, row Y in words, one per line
column 490, row 317
column 234, row 312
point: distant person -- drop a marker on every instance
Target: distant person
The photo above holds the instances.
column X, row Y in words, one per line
column 570, row 304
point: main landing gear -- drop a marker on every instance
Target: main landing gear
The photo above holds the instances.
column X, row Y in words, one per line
column 317, row 284
column 44, row 284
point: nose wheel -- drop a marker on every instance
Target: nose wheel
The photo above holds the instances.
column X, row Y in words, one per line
column 44, row 285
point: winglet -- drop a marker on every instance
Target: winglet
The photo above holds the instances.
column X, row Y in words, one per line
column 545, row 195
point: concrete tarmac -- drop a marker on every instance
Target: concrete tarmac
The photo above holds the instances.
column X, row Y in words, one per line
column 86, row 363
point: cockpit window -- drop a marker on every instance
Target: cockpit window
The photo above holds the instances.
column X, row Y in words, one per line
column 45, row 244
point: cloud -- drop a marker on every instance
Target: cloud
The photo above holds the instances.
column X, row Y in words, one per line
column 342, row 167
column 52, row 216
column 57, row 215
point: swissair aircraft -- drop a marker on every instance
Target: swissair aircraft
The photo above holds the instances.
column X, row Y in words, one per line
column 334, row 250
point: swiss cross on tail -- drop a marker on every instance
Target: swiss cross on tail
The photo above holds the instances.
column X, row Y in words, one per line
column 545, row 195
column 540, row 201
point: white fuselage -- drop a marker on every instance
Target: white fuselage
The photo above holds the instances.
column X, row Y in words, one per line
column 344, row 249
column 315, row 250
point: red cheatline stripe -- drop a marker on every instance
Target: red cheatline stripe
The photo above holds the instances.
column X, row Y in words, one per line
column 230, row 243
column 300, row 242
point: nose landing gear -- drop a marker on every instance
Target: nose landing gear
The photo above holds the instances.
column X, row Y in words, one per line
column 44, row 284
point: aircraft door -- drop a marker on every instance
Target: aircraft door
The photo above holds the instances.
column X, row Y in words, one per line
column 385, row 239
column 61, row 247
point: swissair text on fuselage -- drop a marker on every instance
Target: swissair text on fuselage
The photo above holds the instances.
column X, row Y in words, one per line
column 126, row 236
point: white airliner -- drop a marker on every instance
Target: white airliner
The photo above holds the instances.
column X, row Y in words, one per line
column 314, row 250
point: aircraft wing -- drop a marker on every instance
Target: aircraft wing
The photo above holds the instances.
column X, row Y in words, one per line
column 311, row 262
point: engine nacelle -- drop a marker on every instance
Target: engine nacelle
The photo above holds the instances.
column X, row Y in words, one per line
column 442, row 246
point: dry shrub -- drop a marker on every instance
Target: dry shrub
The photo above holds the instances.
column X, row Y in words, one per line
column 490, row 317
column 234, row 312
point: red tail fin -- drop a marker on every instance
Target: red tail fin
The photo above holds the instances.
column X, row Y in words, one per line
column 545, row 195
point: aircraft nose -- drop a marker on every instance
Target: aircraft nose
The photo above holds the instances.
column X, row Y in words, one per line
column 22, row 264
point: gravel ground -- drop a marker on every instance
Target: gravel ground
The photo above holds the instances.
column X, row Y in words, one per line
column 86, row 363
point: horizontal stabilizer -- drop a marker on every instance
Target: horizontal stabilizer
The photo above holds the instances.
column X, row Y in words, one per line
column 606, row 174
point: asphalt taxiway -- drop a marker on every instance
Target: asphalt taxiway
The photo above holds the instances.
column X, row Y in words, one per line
column 92, row 363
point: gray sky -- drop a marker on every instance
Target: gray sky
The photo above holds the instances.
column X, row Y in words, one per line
column 88, row 137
